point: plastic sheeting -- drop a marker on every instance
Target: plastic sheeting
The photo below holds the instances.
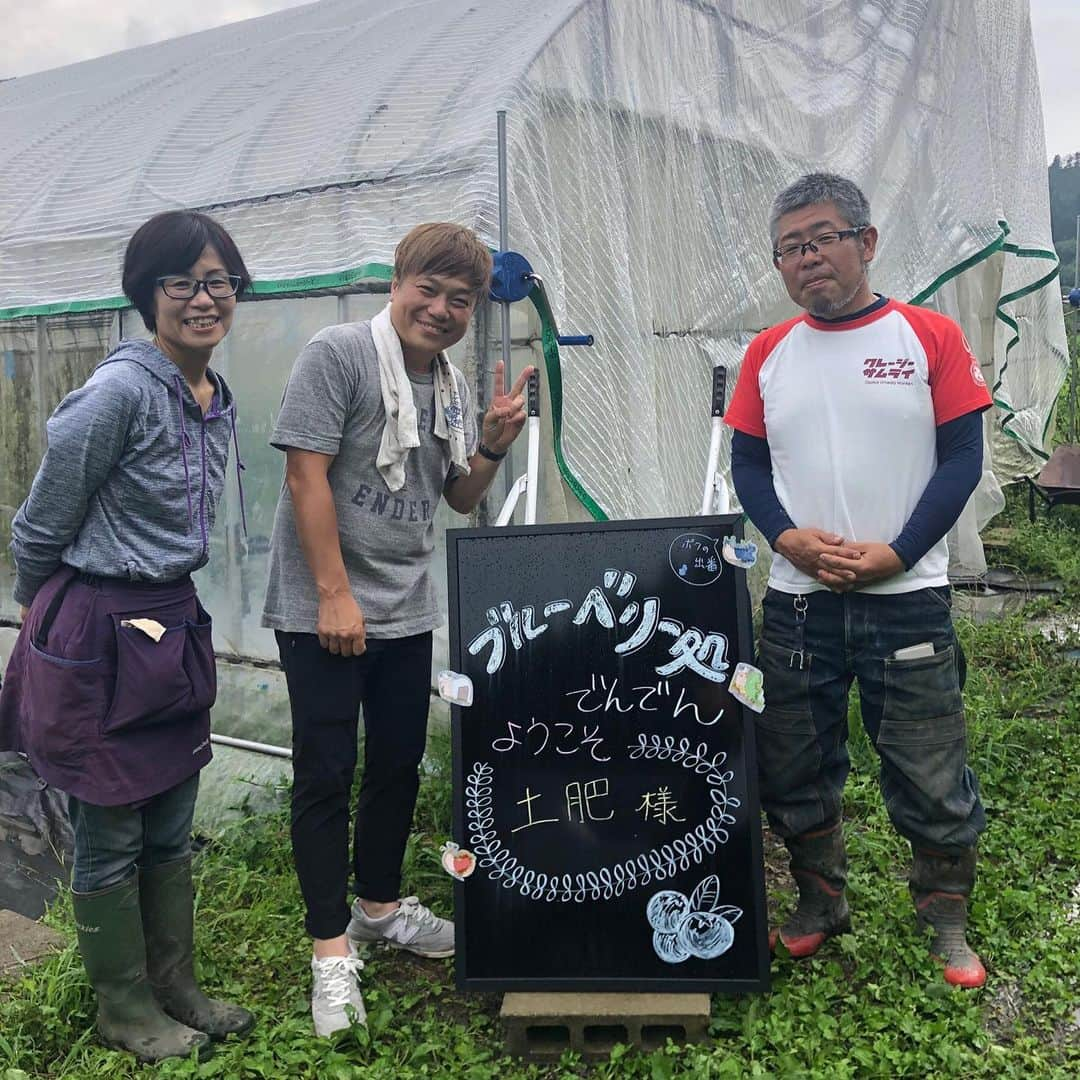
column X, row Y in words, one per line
column 646, row 141
column 35, row 838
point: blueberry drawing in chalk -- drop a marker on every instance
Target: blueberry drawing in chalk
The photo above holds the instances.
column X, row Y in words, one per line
column 706, row 934
column 666, row 911
column 698, row 925
column 668, row 948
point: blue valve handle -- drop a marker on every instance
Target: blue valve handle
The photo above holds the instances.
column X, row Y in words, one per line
column 511, row 277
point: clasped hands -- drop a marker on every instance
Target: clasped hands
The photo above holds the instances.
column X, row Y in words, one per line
column 838, row 564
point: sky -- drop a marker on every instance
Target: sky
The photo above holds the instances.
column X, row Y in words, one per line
column 41, row 34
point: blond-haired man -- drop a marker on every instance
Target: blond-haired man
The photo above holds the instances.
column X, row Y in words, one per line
column 376, row 425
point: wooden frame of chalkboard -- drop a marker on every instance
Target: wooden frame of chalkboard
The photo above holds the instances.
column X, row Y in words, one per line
column 604, row 774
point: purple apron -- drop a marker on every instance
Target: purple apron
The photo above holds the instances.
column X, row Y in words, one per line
column 103, row 711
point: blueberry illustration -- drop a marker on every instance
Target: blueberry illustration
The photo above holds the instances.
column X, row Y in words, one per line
column 705, row 934
column 668, row 948
column 666, row 911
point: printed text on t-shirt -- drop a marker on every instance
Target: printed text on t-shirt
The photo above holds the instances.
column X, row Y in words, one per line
column 878, row 369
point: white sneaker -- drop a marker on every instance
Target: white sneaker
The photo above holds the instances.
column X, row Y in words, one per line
column 411, row 926
column 336, row 987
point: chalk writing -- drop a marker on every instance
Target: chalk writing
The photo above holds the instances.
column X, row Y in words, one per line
column 695, row 559
column 603, row 693
column 607, row 882
column 579, row 799
column 602, row 761
column 658, row 806
column 527, row 803
column 568, row 742
column 699, row 651
column 702, row 653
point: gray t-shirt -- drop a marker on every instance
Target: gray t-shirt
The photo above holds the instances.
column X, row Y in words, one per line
column 333, row 405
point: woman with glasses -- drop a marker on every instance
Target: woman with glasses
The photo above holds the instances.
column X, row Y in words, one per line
column 109, row 686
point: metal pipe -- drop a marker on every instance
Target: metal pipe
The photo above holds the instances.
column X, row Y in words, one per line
column 1076, row 256
column 708, row 494
column 504, row 239
column 504, row 244
column 255, row 747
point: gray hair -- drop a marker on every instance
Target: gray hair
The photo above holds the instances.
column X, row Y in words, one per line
column 820, row 188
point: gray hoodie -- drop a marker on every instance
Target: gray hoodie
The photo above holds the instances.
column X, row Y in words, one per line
column 130, row 482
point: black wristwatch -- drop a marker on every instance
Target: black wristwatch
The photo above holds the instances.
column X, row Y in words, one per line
column 483, row 451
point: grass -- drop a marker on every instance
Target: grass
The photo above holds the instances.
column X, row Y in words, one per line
column 871, row 1004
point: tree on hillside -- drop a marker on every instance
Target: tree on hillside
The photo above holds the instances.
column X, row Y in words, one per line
column 1064, row 176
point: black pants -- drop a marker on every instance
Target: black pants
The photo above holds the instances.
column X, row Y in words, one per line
column 391, row 681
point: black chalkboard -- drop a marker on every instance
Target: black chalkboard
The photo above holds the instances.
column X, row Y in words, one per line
column 604, row 774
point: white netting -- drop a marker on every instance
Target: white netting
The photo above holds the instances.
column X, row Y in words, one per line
column 646, row 141
column 697, row 116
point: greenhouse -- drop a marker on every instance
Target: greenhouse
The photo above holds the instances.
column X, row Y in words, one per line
column 645, row 141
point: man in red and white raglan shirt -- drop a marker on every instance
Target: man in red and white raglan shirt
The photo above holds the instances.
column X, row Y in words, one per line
column 857, row 442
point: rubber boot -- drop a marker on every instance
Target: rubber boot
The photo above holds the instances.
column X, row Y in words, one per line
column 168, row 918
column 129, row 1017
column 940, row 885
column 819, row 867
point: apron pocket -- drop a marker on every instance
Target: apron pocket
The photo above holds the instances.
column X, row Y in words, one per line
column 64, row 701
column 161, row 681
column 199, row 662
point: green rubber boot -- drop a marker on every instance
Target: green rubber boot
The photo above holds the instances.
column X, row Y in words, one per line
column 940, row 885
column 110, row 931
column 168, row 917
column 819, row 867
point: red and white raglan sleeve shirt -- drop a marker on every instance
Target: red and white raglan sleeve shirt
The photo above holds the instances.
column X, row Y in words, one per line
column 850, row 412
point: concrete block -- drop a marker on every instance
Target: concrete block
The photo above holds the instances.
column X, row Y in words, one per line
column 541, row 1026
column 24, row 941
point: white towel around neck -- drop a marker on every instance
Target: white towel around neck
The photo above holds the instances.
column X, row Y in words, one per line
column 400, row 434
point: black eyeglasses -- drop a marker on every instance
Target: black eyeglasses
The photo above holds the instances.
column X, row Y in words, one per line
column 180, row 287
column 790, row 253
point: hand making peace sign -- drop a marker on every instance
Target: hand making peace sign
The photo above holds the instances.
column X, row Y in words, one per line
column 506, row 414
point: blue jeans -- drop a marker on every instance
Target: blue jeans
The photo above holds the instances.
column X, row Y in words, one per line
column 112, row 841
column 811, row 649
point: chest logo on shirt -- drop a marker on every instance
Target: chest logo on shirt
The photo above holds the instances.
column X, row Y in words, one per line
column 383, row 504
column 898, row 372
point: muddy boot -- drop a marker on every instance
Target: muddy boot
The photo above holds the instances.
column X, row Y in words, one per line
column 113, row 950
column 167, row 900
column 819, row 867
column 940, row 885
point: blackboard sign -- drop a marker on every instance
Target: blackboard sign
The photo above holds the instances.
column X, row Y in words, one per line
column 604, row 773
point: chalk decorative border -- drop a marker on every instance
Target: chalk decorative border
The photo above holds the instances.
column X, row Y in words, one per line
column 606, row 882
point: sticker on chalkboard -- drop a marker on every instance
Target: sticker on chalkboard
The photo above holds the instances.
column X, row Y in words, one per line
column 454, row 688
column 748, row 686
column 740, row 553
column 698, row 925
column 457, row 861
column 694, row 559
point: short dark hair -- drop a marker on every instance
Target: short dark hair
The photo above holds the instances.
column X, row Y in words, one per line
column 441, row 247
column 815, row 188
column 169, row 243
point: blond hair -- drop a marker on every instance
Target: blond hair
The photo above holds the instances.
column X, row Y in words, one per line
column 441, row 247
